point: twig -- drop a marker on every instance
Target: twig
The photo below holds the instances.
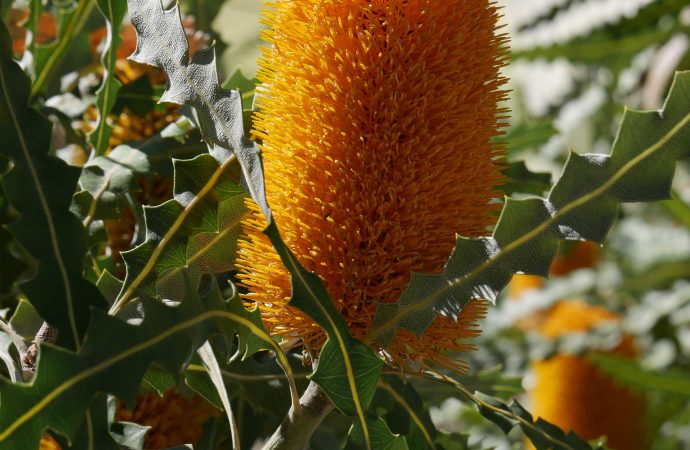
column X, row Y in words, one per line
column 45, row 334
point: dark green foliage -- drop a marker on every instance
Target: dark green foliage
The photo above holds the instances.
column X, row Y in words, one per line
column 40, row 188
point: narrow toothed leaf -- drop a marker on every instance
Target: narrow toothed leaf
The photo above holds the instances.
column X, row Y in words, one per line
column 114, row 12
column 40, row 188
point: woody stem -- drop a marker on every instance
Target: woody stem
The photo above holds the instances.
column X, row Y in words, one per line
column 298, row 426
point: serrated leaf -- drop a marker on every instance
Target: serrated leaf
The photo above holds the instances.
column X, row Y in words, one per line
column 66, row 381
column 190, row 235
column 40, row 187
column 581, row 206
column 104, row 179
column 488, row 409
column 506, row 417
column 161, row 42
column 113, row 11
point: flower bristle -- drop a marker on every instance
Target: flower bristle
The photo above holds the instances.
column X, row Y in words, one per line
column 376, row 122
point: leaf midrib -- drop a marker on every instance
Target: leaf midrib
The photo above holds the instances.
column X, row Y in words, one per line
column 46, row 211
column 94, row 370
column 167, row 238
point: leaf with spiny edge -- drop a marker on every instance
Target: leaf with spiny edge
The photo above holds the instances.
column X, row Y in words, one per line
column 581, row 206
column 114, row 12
column 161, row 42
column 191, row 234
column 67, row 381
column 40, row 188
column 104, row 180
column 544, row 435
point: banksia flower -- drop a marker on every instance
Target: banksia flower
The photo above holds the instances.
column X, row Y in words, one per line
column 48, row 443
column 376, row 120
column 174, row 419
column 573, row 394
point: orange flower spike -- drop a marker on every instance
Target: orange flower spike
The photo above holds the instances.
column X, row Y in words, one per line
column 48, row 443
column 174, row 419
column 376, row 120
column 572, row 393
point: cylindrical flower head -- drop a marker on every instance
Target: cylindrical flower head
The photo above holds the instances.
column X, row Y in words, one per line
column 376, row 121
column 573, row 394
column 174, row 419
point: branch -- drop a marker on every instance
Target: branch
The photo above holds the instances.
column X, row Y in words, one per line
column 298, row 426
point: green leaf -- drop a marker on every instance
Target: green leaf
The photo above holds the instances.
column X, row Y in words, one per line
column 581, row 206
column 67, row 381
column 544, row 435
column 213, row 369
column 402, row 401
column 381, row 436
column 332, row 375
column 192, row 234
column 527, row 135
column 113, row 11
column 26, row 321
column 245, row 86
column 518, row 178
column 139, row 97
column 159, row 380
column 348, row 369
column 40, row 188
column 48, row 56
column 105, row 179
column 95, row 430
column 630, row 373
column 13, row 259
column 258, row 381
